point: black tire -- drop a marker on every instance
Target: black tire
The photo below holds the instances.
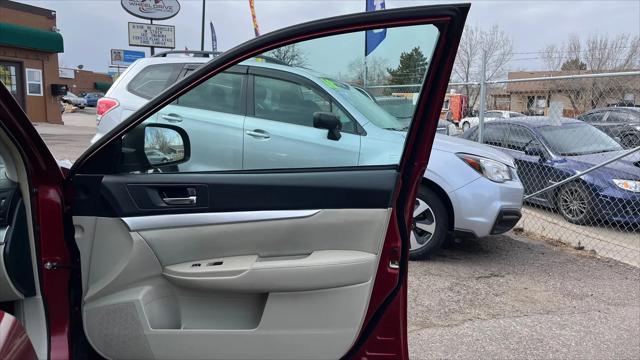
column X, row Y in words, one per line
column 465, row 126
column 81, row 107
column 436, row 219
column 574, row 201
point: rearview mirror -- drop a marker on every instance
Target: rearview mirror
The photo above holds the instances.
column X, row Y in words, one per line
column 154, row 146
column 329, row 121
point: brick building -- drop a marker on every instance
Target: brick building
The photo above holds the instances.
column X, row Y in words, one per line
column 29, row 47
column 84, row 81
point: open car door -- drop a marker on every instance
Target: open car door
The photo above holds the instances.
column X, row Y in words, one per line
column 180, row 257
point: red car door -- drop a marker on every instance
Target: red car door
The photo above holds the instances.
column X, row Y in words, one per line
column 147, row 259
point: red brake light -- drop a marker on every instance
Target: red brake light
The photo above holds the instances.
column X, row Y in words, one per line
column 104, row 105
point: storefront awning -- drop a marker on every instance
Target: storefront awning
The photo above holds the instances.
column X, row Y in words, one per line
column 102, row 86
column 30, row 38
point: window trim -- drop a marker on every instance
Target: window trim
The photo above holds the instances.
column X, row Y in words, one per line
column 27, row 82
column 296, row 79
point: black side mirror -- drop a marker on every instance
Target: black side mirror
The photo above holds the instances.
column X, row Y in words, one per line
column 329, row 121
column 535, row 150
column 152, row 146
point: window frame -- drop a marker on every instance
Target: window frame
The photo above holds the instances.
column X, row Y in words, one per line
column 281, row 75
column 28, row 82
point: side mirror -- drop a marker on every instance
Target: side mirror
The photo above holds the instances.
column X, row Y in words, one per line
column 329, row 121
column 535, row 150
column 151, row 146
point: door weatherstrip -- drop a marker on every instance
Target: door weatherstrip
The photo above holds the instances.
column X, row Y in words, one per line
column 139, row 223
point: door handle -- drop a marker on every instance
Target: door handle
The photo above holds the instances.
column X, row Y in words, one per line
column 189, row 200
column 258, row 134
column 172, row 117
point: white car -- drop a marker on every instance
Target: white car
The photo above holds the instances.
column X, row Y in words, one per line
column 469, row 189
column 490, row 115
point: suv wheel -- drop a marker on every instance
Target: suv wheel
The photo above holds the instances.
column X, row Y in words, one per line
column 430, row 224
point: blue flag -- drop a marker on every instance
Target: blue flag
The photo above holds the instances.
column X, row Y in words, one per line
column 373, row 38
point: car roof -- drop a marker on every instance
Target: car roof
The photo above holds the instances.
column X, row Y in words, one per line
column 537, row 121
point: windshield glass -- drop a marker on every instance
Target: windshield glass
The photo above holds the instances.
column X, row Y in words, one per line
column 595, row 140
column 372, row 111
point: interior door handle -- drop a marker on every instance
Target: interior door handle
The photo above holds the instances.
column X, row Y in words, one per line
column 258, row 134
column 172, row 117
column 189, row 200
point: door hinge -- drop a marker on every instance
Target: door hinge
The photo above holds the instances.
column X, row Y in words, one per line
column 53, row 265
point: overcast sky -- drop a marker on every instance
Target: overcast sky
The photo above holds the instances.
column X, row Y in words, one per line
column 91, row 27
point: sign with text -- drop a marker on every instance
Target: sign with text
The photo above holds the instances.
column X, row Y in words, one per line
column 121, row 57
column 162, row 36
column 151, row 9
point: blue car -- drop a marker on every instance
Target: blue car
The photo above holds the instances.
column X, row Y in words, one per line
column 550, row 150
column 92, row 98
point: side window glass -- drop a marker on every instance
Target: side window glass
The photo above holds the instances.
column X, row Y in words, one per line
column 495, row 135
column 286, row 101
column 153, row 79
column 221, row 93
column 519, row 138
column 264, row 118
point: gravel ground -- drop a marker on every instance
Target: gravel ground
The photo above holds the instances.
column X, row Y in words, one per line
column 509, row 297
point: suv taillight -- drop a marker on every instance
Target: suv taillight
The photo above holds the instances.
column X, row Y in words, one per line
column 104, row 106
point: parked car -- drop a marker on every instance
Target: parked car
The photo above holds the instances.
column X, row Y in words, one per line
column 621, row 123
column 490, row 115
column 403, row 108
column 449, row 170
column 118, row 258
column 92, row 98
column 550, row 150
column 74, row 100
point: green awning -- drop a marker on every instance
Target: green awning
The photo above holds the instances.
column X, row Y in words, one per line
column 102, row 86
column 30, row 38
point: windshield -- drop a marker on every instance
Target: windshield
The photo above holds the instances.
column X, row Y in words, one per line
column 594, row 140
column 372, row 111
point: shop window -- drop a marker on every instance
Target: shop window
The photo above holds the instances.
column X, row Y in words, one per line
column 34, row 82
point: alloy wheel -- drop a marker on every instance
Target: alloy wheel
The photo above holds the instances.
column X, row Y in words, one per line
column 573, row 203
column 424, row 225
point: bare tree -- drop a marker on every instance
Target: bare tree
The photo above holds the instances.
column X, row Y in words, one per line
column 290, row 54
column 596, row 54
column 376, row 71
column 492, row 46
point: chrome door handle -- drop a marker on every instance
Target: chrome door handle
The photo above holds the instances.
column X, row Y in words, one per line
column 172, row 117
column 258, row 134
column 190, row 200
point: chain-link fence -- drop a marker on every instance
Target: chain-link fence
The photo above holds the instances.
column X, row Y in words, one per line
column 576, row 141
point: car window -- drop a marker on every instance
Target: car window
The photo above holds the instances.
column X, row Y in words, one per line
column 515, row 115
column 621, row 117
column 493, row 114
column 286, row 101
column 519, row 138
column 153, row 79
column 495, row 135
column 222, row 93
column 353, row 131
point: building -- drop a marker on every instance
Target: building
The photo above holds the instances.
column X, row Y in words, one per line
column 573, row 96
column 83, row 81
column 29, row 47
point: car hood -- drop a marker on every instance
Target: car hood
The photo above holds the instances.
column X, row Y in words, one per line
column 629, row 165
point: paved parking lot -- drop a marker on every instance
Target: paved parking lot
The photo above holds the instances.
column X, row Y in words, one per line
column 496, row 298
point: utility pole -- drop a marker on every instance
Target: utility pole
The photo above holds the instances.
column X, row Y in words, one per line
column 202, row 34
column 483, row 94
column 152, row 50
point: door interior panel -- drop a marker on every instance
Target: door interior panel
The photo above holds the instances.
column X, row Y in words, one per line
column 261, row 258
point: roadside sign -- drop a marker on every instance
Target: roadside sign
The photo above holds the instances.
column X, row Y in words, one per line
column 151, row 9
column 148, row 35
column 125, row 57
column 66, row 73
